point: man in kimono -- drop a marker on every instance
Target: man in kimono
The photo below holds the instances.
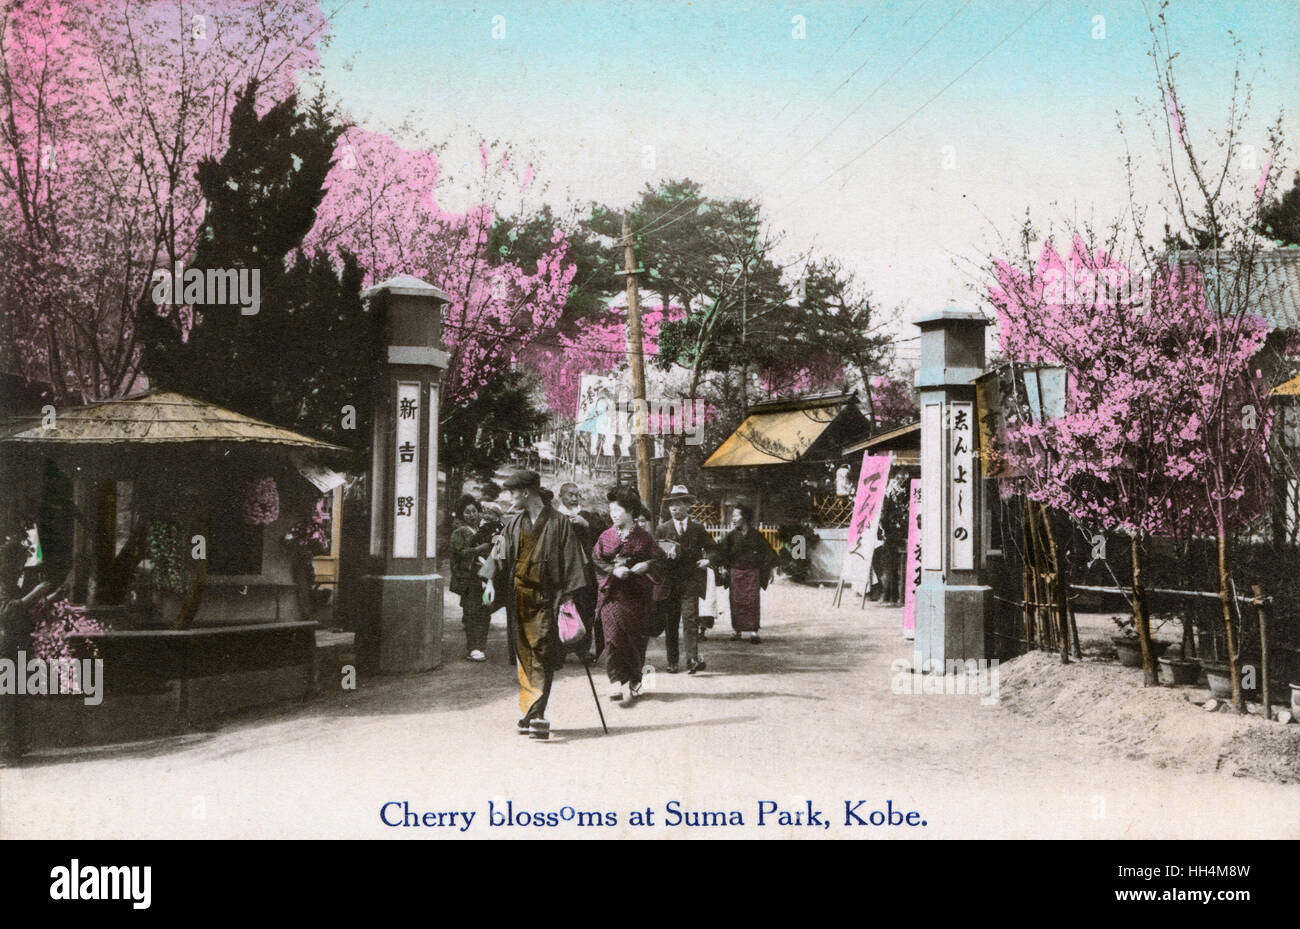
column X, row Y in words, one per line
column 536, row 564
column 678, row 595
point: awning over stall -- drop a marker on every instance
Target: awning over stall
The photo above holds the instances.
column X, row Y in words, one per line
column 781, row 432
column 904, row 443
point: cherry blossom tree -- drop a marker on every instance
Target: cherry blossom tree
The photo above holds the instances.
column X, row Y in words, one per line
column 1153, row 440
column 1167, row 419
column 105, row 111
column 382, row 205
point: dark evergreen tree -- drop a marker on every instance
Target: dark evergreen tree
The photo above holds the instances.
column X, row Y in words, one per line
column 478, row 437
column 309, row 349
column 1280, row 220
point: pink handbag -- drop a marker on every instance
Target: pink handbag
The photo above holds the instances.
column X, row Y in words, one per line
column 569, row 620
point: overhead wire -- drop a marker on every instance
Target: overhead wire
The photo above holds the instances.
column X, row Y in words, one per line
column 937, row 95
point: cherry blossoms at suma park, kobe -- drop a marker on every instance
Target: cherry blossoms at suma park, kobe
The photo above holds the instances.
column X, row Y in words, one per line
column 603, row 419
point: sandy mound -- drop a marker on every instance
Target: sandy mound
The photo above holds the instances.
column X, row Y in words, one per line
column 1105, row 704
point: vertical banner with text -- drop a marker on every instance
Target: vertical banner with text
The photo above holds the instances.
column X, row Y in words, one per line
column 913, row 575
column 870, row 495
column 861, row 541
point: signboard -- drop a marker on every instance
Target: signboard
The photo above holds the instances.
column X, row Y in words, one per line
column 1045, row 392
column 912, row 577
column 595, row 403
column 961, row 484
column 406, row 469
column 995, row 409
column 932, row 450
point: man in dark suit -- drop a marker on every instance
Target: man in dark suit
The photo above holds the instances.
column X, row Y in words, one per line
column 683, row 580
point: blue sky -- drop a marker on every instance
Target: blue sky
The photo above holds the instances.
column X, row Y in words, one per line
column 725, row 94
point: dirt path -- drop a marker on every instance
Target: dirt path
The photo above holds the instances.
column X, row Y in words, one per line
column 808, row 715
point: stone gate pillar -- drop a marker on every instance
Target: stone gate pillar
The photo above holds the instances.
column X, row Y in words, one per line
column 951, row 603
column 402, row 598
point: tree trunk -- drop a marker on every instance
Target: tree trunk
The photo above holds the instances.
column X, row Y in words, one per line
column 194, row 596
column 1041, row 582
column 1141, row 621
column 1229, row 628
column 1058, row 575
column 679, row 441
column 1027, row 579
column 870, row 398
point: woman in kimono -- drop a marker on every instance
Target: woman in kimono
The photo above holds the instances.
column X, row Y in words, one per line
column 468, row 545
column 622, row 557
column 746, row 565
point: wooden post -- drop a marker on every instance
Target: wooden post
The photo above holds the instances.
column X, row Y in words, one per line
column 1260, row 605
column 636, row 360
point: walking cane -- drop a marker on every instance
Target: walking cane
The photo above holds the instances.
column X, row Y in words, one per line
column 586, row 667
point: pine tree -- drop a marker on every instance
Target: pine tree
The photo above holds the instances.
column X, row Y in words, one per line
column 309, row 348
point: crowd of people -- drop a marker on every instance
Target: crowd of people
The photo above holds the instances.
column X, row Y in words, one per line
column 628, row 579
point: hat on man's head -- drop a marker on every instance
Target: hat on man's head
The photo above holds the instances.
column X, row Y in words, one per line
column 679, row 493
column 521, row 477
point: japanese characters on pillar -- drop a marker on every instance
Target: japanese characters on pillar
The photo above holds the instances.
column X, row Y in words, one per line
column 406, row 495
column 961, row 490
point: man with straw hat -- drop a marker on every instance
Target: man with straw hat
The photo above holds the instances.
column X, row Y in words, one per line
column 690, row 550
column 536, row 564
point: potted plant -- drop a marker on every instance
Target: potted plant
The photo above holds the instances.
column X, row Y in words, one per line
column 1218, row 677
column 795, row 540
column 1178, row 671
column 1127, row 645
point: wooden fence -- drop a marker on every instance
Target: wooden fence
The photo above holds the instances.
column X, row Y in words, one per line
column 771, row 534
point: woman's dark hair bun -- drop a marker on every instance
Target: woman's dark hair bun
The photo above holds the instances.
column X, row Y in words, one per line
column 626, row 497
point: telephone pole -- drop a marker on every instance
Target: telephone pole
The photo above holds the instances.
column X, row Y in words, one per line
column 636, row 359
